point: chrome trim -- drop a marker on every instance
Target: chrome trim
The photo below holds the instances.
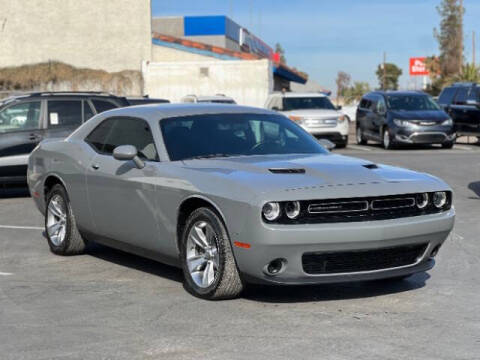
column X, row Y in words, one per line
column 372, row 206
column 311, row 211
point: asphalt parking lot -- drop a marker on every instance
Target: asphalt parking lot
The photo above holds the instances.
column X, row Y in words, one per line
column 111, row 305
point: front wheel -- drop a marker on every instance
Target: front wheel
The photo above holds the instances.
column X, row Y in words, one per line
column 60, row 227
column 360, row 137
column 447, row 145
column 207, row 259
column 387, row 142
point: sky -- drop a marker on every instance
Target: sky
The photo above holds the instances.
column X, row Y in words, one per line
column 322, row 37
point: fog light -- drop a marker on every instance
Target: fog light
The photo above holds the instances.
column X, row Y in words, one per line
column 275, row 267
column 292, row 209
column 271, row 211
column 422, row 200
column 439, row 199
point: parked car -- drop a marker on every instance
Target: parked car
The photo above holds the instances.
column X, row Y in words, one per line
column 233, row 194
column 462, row 102
column 144, row 100
column 27, row 119
column 314, row 112
column 403, row 117
column 217, row 99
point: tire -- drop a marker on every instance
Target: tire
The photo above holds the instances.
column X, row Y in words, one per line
column 68, row 240
column 359, row 137
column 342, row 144
column 196, row 260
column 387, row 140
column 447, row 145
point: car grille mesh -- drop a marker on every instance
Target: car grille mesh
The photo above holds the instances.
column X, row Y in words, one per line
column 362, row 260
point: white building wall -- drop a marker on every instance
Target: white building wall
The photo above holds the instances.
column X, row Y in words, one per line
column 247, row 81
column 111, row 35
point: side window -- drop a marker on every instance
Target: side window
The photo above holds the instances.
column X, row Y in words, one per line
column 24, row 116
column 87, row 111
column 381, row 106
column 446, row 96
column 373, row 104
column 130, row 131
column 474, row 93
column 64, row 113
column 462, row 95
column 103, row 105
column 97, row 137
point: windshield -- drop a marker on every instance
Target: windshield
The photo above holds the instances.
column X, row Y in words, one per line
column 223, row 135
column 411, row 102
column 301, row 103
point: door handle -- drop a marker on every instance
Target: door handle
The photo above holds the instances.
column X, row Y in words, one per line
column 95, row 166
column 34, row 137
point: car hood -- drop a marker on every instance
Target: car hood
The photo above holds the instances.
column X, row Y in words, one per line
column 325, row 176
column 430, row 115
column 315, row 113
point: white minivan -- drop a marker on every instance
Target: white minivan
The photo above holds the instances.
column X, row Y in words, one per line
column 314, row 112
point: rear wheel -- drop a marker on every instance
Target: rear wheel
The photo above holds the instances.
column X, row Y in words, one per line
column 361, row 140
column 207, row 259
column 60, row 227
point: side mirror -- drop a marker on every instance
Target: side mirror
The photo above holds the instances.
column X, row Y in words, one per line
column 327, row 144
column 275, row 108
column 339, row 107
column 126, row 153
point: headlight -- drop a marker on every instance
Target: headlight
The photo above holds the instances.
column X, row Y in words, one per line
column 297, row 119
column 448, row 122
column 422, row 200
column 341, row 118
column 439, row 199
column 401, row 123
column 292, row 209
column 271, row 211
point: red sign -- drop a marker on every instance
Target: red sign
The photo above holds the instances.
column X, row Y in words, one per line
column 418, row 67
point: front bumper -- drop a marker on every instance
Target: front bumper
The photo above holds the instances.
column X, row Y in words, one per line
column 424, row 135
column 290, row 242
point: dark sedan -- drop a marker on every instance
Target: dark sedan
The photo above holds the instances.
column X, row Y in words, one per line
column 393, row 118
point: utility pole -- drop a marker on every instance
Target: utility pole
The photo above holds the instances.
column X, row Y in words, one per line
column 461, row 37
column 384, row 71
column 473, row 48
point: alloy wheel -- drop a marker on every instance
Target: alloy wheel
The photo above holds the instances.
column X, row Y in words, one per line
column 56, row 220
column 202, row 254
column 386, row 139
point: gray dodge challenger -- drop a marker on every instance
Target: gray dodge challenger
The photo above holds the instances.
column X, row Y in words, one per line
column 232, row 195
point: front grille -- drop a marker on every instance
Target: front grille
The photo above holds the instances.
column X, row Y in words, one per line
column 362, row 260
column 427, row 138
column 362, row 209
column 312, row 122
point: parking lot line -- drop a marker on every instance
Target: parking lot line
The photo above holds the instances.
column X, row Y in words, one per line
column 463, row 147
column 359, row 148
column 21, row 227
column 5, row 274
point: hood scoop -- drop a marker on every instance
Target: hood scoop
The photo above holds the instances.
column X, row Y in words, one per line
column 286, row 171
column 371, row 166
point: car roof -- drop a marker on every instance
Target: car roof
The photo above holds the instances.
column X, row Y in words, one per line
column 56, row 94
column 398, row 92
column 299, row 94
column 159, row 111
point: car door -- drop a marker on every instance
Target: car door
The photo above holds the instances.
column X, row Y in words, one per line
column 379, row 118
column 63, row 117
column 472, row 118
column 459, row 109
column 20, row 132
column 122, row 196
column 371, row 118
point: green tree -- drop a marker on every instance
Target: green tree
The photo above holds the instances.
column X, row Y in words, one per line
column 450, row 37
column 355, row 92
column 469, row 73
column 279, row 50
column 343, row 81
column 388, row 78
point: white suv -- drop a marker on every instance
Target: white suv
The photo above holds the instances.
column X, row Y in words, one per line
column 314, row 112
column 219, row 98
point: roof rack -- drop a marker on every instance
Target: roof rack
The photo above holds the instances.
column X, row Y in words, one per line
column 465, row 84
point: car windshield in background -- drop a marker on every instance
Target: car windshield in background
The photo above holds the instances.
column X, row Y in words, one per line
column 223, row 135
column 411, row 102
column 301, row 103
column 217, row 101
